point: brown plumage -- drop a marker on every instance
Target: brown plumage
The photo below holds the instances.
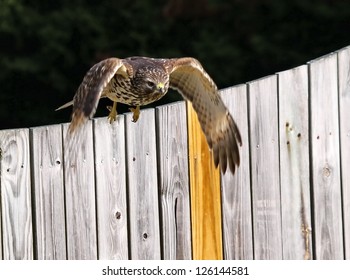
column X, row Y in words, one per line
column 138, row 81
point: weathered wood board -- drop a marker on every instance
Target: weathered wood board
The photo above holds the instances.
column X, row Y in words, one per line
column 144, row 236
column 344, row 114
column 264, row 149
column 174, row 181
column 48, row 191
column 236, row 193
column 325, row 158
column 80, row 197
column 15, row 186
column 110, row 173
column 294, row 163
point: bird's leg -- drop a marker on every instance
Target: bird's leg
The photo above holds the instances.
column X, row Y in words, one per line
column 113, row 112
column 136, row 113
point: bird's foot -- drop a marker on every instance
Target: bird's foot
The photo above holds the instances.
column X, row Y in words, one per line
column 112, row 117
column 136, row 113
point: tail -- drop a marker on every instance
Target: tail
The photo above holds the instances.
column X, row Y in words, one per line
column 70, row 103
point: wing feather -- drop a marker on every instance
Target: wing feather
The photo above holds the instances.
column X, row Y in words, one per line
column 192, row 81
column 86, row 98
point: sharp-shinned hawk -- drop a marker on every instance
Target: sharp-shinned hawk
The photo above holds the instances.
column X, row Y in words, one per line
column 138, row 81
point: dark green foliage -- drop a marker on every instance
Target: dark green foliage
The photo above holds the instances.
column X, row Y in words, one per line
column 47, row 47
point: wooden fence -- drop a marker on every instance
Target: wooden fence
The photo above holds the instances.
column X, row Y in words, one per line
column 149, row 190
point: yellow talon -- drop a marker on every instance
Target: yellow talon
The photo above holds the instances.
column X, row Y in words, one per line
column 113, row 112
column 136, row 113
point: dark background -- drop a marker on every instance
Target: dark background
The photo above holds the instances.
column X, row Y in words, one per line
column 46, row 47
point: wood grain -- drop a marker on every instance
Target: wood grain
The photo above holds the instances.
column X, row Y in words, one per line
column 294, row 163
column 205, row 194
column 263, row 121
column 344, row 113
column 144, row 236
column 174, row 181
column 16, row 195
column 110, row 173
column 47, row 174
column 80, row 199
column 325, row 158
column 236, row 194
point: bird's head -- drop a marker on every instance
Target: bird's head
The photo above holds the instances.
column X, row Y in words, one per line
column 151, row 79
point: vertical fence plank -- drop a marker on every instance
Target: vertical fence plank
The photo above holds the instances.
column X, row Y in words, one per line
column 205, row 194
column 344, row 107
column 325, row 158
column 80, row 199
column 144, row 233
column 16, row 194
column 174, row 181
column 111, row 188
column 294, row 163
column 265, row 168
column 47, row 170
column 236, row 196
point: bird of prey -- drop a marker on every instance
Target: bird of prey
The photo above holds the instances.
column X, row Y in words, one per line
column 138, row 81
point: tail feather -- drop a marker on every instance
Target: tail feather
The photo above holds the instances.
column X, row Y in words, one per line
column 70, row 103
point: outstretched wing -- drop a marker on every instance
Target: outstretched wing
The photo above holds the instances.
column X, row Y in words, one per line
column 89, row 92
column 190, row 79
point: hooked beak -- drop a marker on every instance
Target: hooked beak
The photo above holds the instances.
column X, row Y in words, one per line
column 161, row 88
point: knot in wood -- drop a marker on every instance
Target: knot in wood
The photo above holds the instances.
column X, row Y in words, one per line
column 118, row 215
column 326, row 171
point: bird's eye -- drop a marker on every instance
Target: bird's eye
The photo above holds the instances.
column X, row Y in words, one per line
column 150, row 84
